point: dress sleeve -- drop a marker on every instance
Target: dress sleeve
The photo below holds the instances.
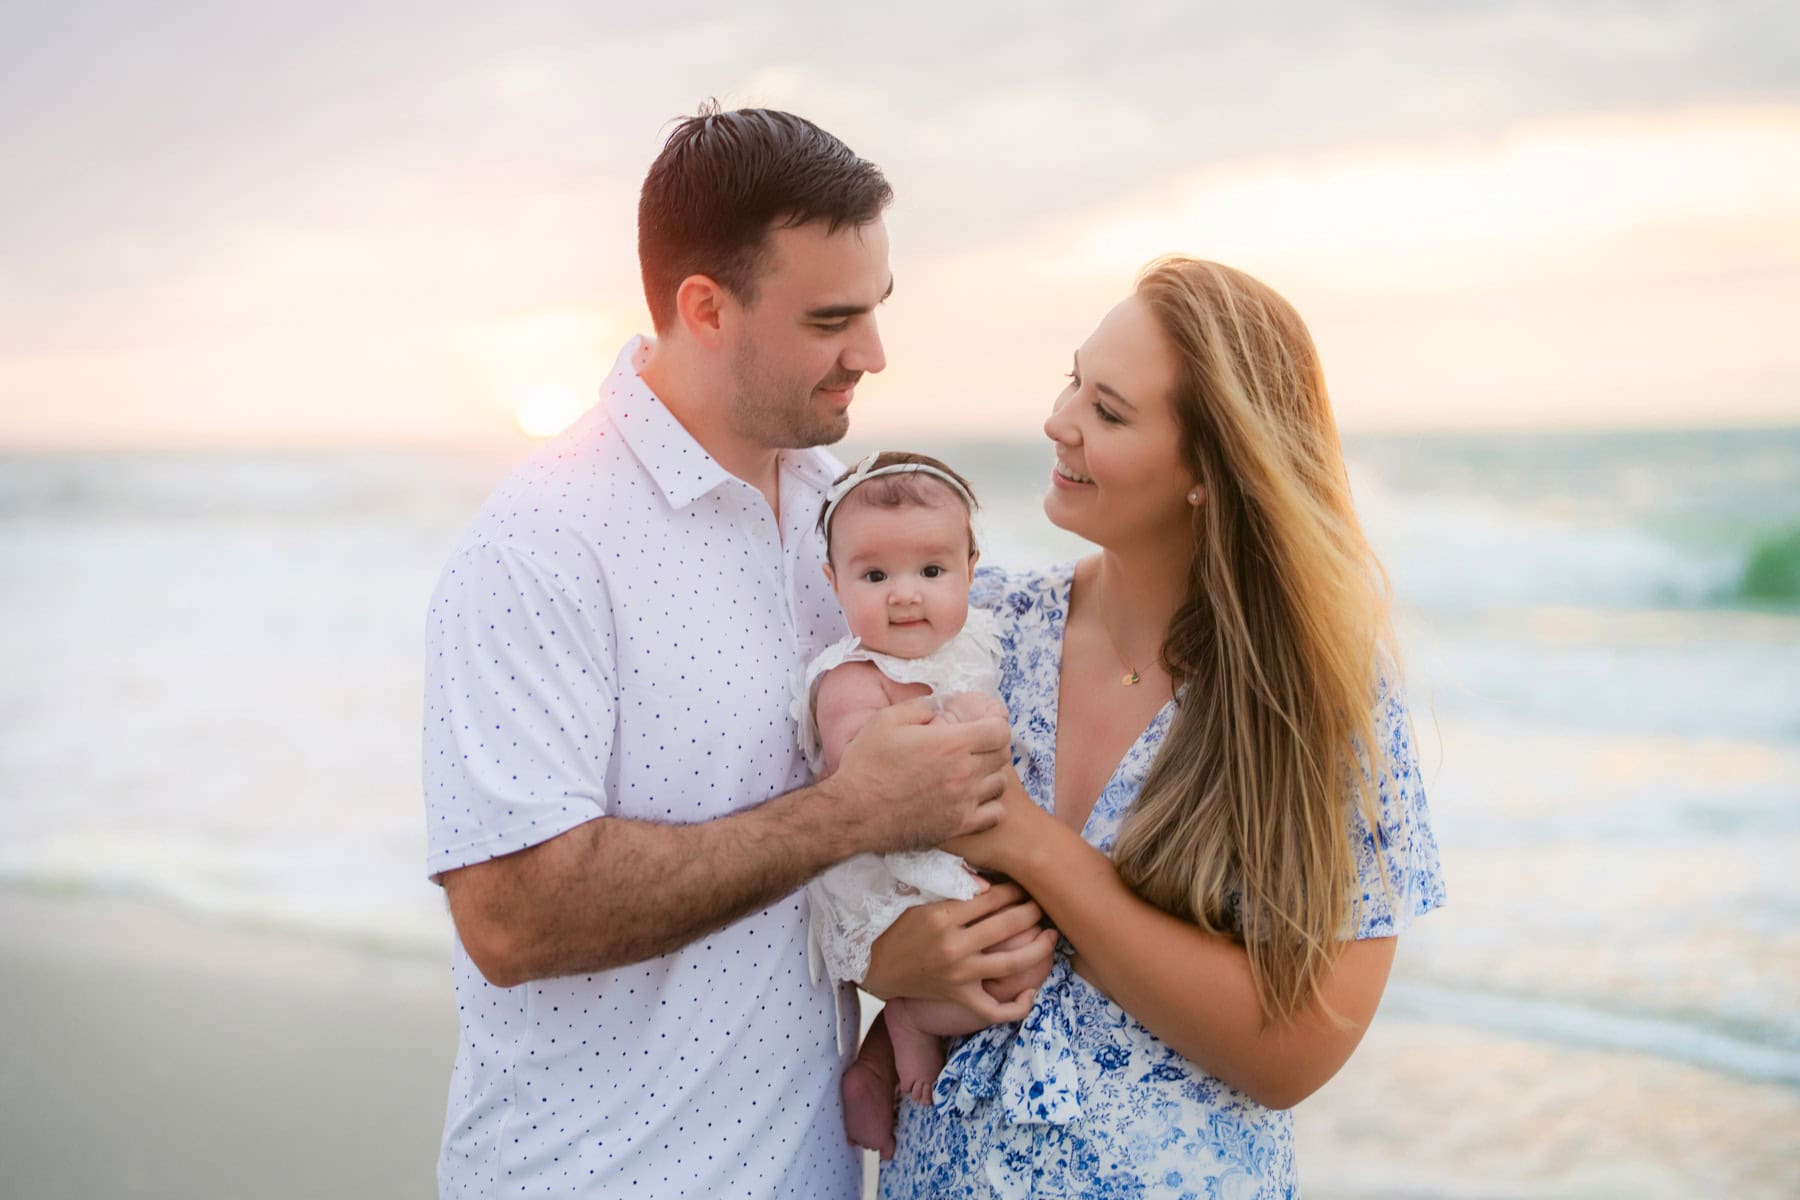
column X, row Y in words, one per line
column 520, row 704
column 988, row 589
column 1397, row 867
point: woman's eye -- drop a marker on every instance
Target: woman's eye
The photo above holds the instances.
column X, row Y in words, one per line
column 1106, row 414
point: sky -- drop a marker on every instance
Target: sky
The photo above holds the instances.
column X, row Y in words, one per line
column 226, row 224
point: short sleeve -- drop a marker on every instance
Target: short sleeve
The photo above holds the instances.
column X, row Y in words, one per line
column 1397, row 867
column 988, row 588
column 520, row 704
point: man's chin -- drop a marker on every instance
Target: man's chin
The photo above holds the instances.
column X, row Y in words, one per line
column 827, row 431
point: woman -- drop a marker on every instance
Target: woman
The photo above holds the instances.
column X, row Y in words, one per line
column 1198, row 814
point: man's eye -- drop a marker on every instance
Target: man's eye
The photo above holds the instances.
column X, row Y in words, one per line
column 832, row 326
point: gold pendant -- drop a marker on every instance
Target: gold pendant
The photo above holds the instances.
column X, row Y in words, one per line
column 1130, row 679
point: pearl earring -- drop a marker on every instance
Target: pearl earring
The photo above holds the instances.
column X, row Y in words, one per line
column 1194, row 497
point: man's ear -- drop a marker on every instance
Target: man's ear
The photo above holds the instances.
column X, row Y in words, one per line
column 700, row 306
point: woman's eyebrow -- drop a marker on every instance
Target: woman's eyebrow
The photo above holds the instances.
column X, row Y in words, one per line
column 1106, row 389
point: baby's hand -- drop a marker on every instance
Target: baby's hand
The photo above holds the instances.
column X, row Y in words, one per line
column 971, row 706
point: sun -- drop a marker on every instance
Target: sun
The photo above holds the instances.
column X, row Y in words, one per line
column 548, row 410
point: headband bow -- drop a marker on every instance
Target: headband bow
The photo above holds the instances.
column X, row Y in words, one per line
column 866, row 470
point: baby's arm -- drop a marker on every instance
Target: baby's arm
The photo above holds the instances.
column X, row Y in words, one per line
column 848, row 695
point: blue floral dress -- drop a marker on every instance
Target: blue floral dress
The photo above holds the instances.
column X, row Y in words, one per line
column 1079, row 1100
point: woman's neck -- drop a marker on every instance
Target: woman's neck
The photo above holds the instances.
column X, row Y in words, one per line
column 1136, row 594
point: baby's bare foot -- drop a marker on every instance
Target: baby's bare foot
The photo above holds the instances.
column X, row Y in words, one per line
column 869, row 1107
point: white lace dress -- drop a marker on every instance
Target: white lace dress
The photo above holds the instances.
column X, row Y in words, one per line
column 854, row 902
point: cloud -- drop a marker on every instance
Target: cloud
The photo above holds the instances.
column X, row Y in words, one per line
column 210, row 192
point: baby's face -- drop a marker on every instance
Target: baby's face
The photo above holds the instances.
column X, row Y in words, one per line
column 902, row 575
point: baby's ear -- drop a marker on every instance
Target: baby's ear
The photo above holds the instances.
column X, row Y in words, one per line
column 974, row 557
column 830, row 576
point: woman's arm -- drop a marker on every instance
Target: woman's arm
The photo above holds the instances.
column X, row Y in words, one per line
column 1191, row 989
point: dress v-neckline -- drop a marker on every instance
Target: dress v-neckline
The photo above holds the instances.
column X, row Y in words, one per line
column 1067, row 588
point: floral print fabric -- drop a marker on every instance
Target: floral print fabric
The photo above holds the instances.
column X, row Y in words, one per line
column 1079, row 1099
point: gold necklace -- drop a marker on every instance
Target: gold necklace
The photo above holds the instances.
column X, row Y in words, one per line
column 1131, row 676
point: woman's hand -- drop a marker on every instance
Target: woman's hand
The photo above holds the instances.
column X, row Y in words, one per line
column 943, row 951
column 1005, row 847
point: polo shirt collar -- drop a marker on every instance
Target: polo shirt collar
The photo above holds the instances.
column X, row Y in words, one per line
column 681, row 468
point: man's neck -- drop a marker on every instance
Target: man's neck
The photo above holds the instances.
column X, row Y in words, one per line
column 697, row 403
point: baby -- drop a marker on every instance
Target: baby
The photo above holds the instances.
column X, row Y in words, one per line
column 900, row 552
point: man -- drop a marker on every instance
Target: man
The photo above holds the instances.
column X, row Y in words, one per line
column 618, row 811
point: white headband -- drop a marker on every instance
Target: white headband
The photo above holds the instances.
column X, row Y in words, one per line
column 867, row 470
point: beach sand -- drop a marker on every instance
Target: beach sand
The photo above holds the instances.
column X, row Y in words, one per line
column 150, row 1054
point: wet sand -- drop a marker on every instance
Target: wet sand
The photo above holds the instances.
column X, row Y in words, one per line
column 148, row 1054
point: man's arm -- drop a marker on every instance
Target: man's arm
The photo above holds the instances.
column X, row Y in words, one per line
column 612, row 891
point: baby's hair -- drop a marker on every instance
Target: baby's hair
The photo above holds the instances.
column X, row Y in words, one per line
column 902, row 489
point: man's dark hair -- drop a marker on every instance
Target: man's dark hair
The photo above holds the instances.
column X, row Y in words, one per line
column 724, row 179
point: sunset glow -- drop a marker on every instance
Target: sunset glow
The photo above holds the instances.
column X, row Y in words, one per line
column 550, row 409
column 1477, row 239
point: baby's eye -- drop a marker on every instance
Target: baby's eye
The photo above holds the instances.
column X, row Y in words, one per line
column 933, row 571
column 875, row 576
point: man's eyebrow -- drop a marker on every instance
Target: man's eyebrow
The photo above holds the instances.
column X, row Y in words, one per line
column 1107, row 390
column 833, row 312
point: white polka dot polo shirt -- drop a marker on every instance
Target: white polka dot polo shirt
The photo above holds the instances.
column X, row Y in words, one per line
column 615, row 636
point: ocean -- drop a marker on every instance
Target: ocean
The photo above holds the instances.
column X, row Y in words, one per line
column 212, row 697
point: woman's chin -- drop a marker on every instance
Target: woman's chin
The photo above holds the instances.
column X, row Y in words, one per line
column 1056, row 509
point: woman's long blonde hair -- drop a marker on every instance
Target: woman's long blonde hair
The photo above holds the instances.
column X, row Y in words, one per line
column 1241, row 826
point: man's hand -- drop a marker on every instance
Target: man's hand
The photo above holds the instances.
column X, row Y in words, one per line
column 942, row 951
column 908, row 782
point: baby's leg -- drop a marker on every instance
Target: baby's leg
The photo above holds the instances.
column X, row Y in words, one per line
column 868, row 1091
column 919, row 1051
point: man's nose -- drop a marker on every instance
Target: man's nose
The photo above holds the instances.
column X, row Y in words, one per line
column 864, row 353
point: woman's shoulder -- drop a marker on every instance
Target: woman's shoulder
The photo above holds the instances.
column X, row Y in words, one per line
column 1011, row 593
